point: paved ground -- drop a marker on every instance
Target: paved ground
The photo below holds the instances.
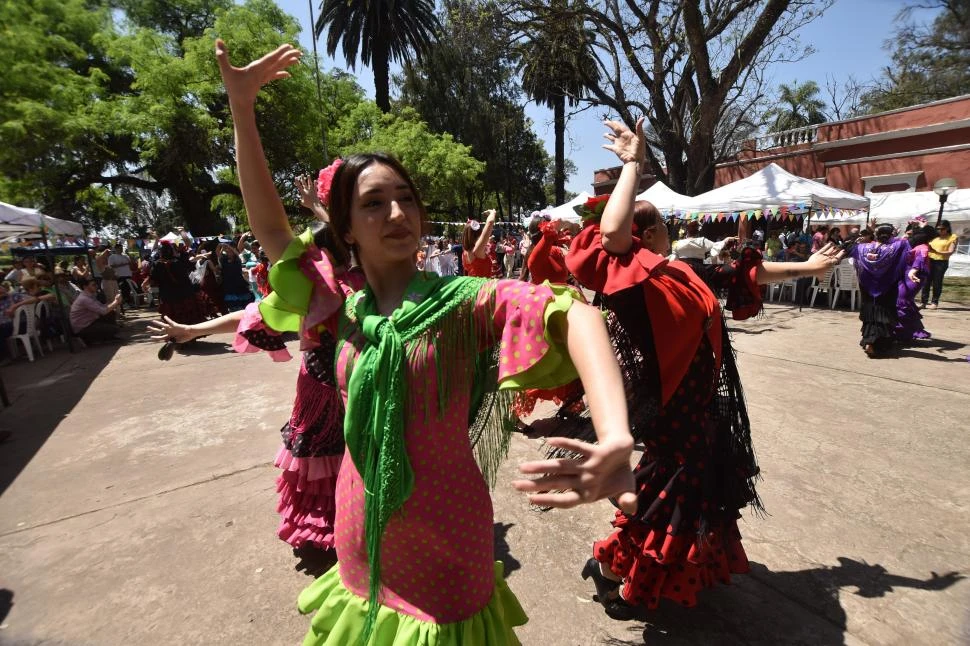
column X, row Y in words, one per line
column 138, row 501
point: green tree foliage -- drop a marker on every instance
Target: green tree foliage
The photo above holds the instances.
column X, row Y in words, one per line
column 466, row 86
column 798, row 105
column 379, row 31
column 556, row 63
column 929, row 61
column 443, row 170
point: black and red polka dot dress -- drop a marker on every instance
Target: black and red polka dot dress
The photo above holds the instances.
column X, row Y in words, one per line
column 685, row 405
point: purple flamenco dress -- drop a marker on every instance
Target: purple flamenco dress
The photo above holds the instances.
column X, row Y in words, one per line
column 909, row 326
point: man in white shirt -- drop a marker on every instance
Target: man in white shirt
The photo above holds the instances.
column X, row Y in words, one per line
column 121, row 263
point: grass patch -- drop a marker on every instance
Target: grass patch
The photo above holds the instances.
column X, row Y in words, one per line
column 956, row 290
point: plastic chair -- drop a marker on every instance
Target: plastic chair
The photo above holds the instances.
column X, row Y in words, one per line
column 135, row 298
column 24, row 318
column 824, row 285
column 847, row 281
column 778, row 289
column 44, row 311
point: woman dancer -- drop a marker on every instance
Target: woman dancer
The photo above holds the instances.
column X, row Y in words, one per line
column 880, row 265
column 547, row 258
column 474, row 245
column 313, row 441
column 683, row 391
column 909, row 324
column 414, row 364
column 177, row 298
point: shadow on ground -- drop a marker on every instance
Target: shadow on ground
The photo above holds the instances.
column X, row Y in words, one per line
column 42, row 394
column 503, row 552
column 314, row 561
column 803, row 606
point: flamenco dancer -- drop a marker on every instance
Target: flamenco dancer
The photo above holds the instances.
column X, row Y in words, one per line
column 312, row 439
column 413, row 365
column 683, row 391
column 909, row 322
column 474, row 246
column 880, row 266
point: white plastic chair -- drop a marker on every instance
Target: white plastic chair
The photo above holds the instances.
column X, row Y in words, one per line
column 778, row 289
column 824, row 285
column 23, row 317
column 846, row 280
column 136, row 298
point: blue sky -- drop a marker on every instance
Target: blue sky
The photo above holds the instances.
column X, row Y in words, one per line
column 848, row 40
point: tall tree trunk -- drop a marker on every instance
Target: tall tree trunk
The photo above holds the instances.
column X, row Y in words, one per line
column 382, row 80
column 559, row 109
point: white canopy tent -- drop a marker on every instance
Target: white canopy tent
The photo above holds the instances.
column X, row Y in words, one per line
column 567, row 211
column 19, row 222
column 665, row 198
column 773, row 187
column 899, row 208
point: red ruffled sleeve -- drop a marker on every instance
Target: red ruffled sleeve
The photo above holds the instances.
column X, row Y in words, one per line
column 547, row 260
column 597, row 269
column 745, row 297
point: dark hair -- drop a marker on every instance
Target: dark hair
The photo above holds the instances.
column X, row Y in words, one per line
column 324, row 238
column 469, row 237
column 693, row 228
column 535, row 233
column 922, row 235
column 342, row 192
column 884, row 232
column 646, row 215
column 87, row 281
column 166, row 252
column 946, row 223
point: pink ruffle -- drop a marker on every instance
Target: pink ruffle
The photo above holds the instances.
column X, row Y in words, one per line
column 307, row 503
column 330, row 289
column 253, row 322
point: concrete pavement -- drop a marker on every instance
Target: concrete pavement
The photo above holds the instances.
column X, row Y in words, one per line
column 138, row 501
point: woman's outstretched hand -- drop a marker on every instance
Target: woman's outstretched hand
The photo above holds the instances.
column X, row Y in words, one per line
column 628, row 145
column 167, row 329
column 243, row 83
column 603, row 472
column 823, row 260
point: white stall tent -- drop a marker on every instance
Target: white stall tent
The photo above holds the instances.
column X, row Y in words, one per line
column 773, row 186
column 666, row 199
column 567, row 211
column 19, row 222
column 900, row 208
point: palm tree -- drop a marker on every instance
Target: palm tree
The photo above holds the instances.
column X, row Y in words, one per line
column 557, row 66
column 798, row 106
column 380, row 31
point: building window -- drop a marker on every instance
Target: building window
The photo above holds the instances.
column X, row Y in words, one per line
column 894, row 183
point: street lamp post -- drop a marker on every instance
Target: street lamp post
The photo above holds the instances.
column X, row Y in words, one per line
column 943, row 188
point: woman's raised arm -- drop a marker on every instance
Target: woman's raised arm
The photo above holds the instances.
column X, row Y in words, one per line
column 263, row 204
column 616, row 225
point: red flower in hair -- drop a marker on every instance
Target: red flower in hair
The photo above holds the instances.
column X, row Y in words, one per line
column 592, row 208
column 325, row 179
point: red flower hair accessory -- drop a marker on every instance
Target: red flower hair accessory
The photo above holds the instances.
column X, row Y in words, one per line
column 325, row 179
column 592, row 209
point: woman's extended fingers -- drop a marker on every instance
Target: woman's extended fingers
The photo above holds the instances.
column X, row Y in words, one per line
column 547, row 483
column 556, row 465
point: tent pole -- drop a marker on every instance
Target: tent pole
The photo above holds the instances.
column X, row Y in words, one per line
column 65, row 317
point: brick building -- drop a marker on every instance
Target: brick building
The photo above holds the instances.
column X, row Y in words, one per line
column 902, row 150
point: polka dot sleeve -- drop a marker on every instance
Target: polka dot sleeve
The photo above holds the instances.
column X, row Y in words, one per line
column 524, row 318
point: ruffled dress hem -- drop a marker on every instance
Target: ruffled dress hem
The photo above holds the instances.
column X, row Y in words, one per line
column 307, row 502
column 655, row 564
column 339, row 614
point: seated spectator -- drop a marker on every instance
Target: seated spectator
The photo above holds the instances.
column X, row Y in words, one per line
column 39, row 288
column 92, row 320
column 9, row 302
column 63, row 287
column 80, row 271
column 773, row 247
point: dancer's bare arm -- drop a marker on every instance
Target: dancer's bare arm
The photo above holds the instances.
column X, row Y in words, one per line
column 616, row 226
column 165, row 328
column 263, row 204
column 605, row 470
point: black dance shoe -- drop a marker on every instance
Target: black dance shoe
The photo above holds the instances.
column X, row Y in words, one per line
column 603, row 585
column 617, row 608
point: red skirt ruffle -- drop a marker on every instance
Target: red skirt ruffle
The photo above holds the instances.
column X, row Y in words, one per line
column 307, row 504
column 654, row 564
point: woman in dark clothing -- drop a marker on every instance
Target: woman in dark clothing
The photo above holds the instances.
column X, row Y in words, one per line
column 177, row 297
column 684, row 395
column 235, row 287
